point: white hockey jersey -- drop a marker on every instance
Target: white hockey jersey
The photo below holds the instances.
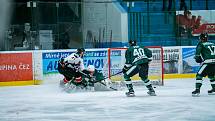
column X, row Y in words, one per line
column 74, row 61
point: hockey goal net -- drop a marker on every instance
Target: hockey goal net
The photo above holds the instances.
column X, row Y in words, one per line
column 116, row 61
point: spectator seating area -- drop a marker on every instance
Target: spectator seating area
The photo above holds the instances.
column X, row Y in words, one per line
column 150, row 24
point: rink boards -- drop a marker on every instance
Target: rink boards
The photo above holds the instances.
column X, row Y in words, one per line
column 32, row 67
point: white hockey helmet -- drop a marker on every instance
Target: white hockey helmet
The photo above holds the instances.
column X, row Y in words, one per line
column 91, row 68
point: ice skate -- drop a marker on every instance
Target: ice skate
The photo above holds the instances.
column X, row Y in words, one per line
column 151, row 93
column 130, row 94
column 196, row 93
column 211, row 92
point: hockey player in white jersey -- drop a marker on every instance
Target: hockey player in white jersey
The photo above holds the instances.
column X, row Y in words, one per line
column 71, row 66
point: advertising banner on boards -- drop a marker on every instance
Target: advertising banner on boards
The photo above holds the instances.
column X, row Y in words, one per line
column 97, row 58
column 171, row 59
column 16, row 66
column 189, row 63
column 50, row 61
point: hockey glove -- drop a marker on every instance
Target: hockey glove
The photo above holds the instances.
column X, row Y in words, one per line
column 198, row 59
column 149, row 59
column 125, row 69
column 61, row 62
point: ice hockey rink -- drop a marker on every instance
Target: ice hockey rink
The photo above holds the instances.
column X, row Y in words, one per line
column 48, row 103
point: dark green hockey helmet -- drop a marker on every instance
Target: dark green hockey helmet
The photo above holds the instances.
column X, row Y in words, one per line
column 80, row 50
column 203, row 37
column 132, row 42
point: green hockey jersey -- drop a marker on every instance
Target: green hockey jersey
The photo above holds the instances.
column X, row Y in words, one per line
column 207, row 51
column 137, row 55
column 98, row 75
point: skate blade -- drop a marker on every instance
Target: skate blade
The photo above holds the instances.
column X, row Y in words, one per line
column 196, row 95
column 130, row 95
column 151, row 94
column 211, row 93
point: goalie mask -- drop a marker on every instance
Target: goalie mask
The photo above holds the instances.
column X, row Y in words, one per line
column 203, row 37
column 91, row 68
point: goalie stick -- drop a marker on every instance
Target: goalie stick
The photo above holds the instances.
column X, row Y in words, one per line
column 114, row 75
column 107, row 78
column 107, row 86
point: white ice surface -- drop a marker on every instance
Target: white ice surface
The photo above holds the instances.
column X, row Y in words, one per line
column 47, row 103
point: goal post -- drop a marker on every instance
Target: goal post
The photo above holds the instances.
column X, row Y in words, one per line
column 116, row 61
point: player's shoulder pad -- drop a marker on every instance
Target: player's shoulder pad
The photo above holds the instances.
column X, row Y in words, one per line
column 200, row 43
column 212, row 42
column 136, row 46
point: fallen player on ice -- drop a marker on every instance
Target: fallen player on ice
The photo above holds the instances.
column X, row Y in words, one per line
column 90, row 80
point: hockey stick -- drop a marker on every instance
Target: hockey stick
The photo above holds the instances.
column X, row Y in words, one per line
column 109, row 77
column 108, row 86
column 113, row 75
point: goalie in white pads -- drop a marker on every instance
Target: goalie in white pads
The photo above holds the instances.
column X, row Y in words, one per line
column 137, row 61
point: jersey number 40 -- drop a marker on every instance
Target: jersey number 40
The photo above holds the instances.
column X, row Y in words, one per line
column 139, row 52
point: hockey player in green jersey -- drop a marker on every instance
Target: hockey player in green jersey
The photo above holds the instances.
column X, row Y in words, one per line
column 93, row 76
column 137, row 61
column 96, row 79
column 205, row 54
